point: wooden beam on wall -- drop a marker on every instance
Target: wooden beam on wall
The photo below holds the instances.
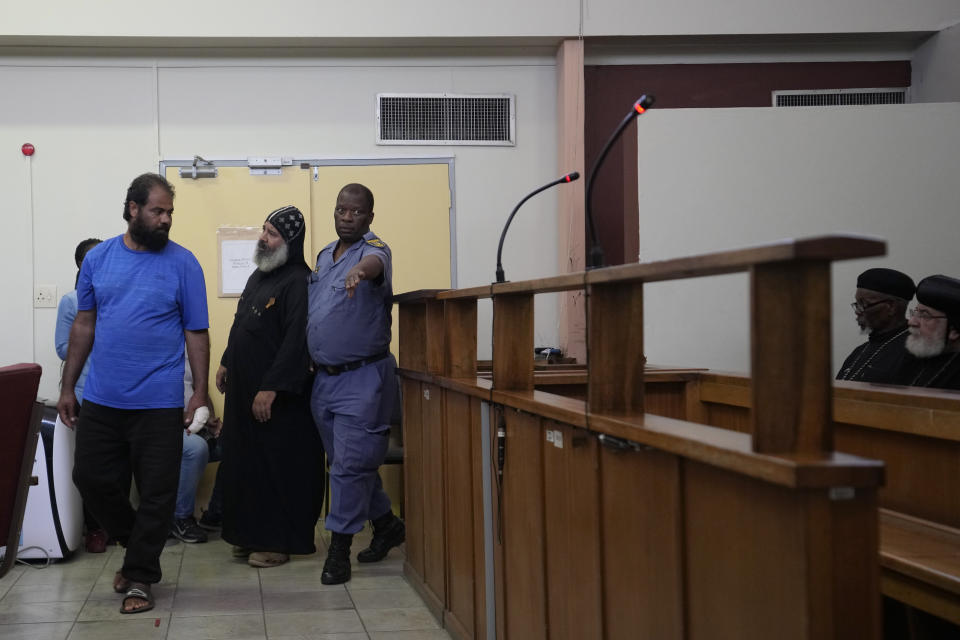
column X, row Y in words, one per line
column 570, row 221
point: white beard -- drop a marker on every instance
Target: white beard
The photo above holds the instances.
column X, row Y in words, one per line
column 926, row 347
column 267, row 260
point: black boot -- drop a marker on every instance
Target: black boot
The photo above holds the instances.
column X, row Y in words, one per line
column 336, row 569
column 388, row 532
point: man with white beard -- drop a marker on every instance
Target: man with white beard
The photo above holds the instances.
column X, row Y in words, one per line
column 934, row 340
column 272, row 485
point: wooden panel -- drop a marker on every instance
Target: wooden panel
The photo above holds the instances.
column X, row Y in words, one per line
column 615, row 341
column 413, row 475
column 790, row 357
column 479, row 567
column 460, row 349
column 745, row 560
column 435, row 337
column 666, row 399
column 641, row 518
column 727, row 417
column 459, row 510
column 571, row 516
column 524, row 587
column 413, row 337
column 921, row 565
column 513, row 342
column 434, row 551
column 923, row 474
column 843, row 576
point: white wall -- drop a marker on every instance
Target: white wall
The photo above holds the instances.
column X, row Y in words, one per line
column 936, row 68
column 99, row 122
column 688, row 17
column 723, row 178
column 98, row 20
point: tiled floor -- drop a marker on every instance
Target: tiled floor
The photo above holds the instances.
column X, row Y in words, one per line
column 207, row 594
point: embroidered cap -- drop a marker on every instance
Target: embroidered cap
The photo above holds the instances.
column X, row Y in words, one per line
column 288, row 221
column 889, row 281
column 943, row 294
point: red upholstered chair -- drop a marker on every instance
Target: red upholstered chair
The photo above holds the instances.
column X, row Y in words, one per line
column 20, row 415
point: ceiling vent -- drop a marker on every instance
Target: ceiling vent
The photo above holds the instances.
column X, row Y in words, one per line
column 445, row 118
column 839, row 97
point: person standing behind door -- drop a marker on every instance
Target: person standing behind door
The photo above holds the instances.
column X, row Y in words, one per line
column 348, row 334
column 95, row 537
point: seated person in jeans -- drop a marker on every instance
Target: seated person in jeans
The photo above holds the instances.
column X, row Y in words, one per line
column 197, row 451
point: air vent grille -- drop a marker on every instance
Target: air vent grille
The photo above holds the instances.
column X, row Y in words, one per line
column 839, row 97
column 445, row 119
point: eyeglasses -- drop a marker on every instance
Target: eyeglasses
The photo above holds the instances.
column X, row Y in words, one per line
column 342, row 211
column 923, row 314
column 860, row 308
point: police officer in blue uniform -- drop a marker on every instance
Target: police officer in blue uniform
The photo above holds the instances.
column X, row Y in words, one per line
column 348, row 335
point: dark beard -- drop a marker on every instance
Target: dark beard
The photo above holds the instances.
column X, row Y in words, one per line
column 153, row 240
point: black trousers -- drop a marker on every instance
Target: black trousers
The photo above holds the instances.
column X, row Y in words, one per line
column 112, row 443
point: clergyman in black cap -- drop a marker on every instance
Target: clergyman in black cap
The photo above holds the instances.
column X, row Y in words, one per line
column 272, row 484
column 880, row 305
column 934, row 335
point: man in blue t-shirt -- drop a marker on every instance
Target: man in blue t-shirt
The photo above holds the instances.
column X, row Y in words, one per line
column 140, row 297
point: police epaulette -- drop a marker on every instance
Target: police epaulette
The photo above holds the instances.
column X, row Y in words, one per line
column 376, row 242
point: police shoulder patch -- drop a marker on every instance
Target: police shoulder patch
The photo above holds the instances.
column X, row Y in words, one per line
column 376, row 242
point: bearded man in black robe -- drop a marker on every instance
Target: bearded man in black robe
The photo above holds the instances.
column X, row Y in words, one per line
column 880, row 305
column 272, row 484
column 934, row 341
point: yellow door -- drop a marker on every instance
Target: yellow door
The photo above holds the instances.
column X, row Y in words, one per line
column 233, row 199
column 412, row 215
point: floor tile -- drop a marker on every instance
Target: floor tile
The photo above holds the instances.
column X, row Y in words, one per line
column 59, row 592
column 232, row 627
column 142, row 626
column 408, row 619
column 307, row 600
column 326, row 636
column 20, row 612
column 226, row 601
column 313, row 623
column 404, row 598
column 377, row 582
column 419, row 634
column 35, row 631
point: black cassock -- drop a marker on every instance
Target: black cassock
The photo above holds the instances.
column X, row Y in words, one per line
column 272, row 477
column 879, row 359
column 938, row 372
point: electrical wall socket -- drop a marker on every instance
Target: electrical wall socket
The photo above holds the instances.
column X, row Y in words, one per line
column 45, row 296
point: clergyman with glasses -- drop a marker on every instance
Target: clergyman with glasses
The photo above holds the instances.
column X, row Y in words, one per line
column 880, row 306
column 934, row 336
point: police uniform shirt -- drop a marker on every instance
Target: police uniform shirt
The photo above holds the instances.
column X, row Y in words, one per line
column 341, row 329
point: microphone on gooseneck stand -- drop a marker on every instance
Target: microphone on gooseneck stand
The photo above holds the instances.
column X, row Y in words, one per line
column 595, row 258
column 570, row 177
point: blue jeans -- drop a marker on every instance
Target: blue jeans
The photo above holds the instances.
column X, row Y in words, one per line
column 196, row 454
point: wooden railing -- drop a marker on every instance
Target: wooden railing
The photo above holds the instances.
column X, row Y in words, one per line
column 608, row 521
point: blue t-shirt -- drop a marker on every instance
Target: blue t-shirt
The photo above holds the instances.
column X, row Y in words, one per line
column 342, row 329
column 66, row 312
column 144, row 301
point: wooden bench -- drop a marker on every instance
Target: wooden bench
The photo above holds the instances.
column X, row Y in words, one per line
column 606, row 520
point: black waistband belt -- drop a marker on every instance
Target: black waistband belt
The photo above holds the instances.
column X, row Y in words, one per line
column 337, row 369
